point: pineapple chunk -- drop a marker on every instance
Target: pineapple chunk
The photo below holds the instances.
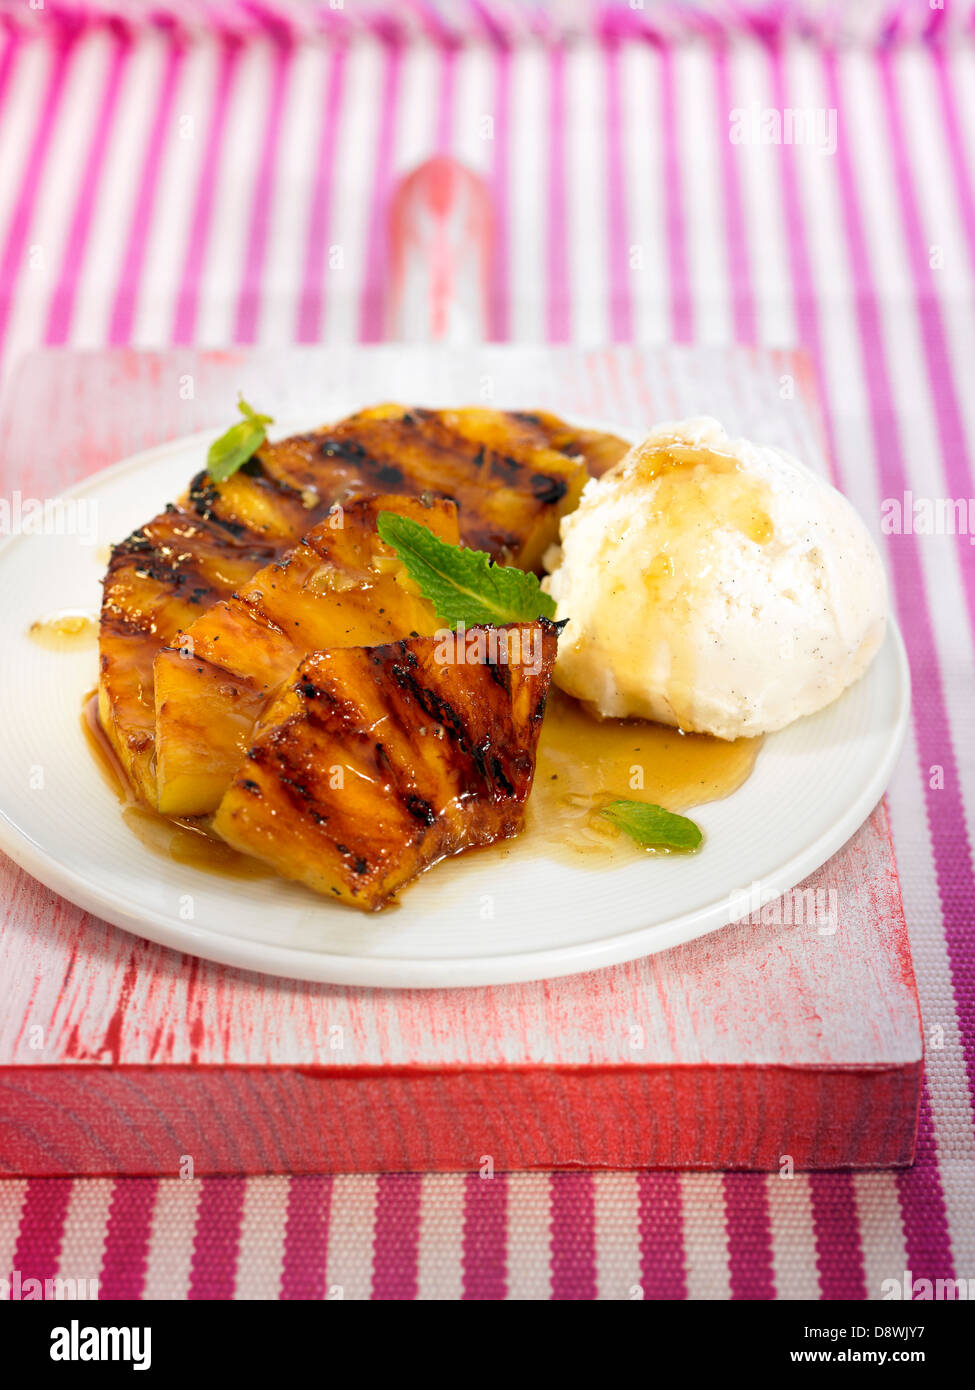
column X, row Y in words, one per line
column 600, row 451
column 512, row 488
column 513, row 477
column 160, row 580
column 340, row 587
column 376, row 762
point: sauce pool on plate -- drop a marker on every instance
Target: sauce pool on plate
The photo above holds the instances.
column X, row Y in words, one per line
column 583, row 763
column 66, row 631
column 182, row 841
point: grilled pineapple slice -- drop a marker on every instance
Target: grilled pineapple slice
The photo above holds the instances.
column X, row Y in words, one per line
column 340, row 587
column 513, row 477
column 376, row 762
column 600, row 451
column 164, row 575
column 511, row 486
column 158, row 581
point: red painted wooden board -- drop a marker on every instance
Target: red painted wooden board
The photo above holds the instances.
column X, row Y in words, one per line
column 761, row 1044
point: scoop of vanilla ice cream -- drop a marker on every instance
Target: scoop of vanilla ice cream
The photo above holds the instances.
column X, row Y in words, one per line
column 714, row 584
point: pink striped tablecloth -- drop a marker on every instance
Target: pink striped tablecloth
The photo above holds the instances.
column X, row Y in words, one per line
column 164, row 183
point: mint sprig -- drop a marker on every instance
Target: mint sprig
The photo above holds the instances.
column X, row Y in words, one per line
column 464, row 586
column 653, row 827
column 238, row 444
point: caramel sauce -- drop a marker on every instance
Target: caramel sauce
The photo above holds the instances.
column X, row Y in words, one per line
column 584, row 763
column 742, row 501
column 183, row 841
column 191, row 843
column 102, row 751
column 67, row 631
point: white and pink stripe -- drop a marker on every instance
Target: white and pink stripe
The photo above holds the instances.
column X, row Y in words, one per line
column 164, row 188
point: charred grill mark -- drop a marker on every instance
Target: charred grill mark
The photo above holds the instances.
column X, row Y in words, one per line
column 416, row 806
column 498, row 775
column 349, row 450
column 420, row 810
column 123, row 624
column 205, row 498
column 306, row 801
column 389, row 475
column 328, row 703
column 294, row 792
column 201, row 537
column 489, row 769
column 287, row 773
column 335, row 717
column 173, row 560
column 512, row 465
column 444, row 451
column 204, row 495
column 479, row 753
column 298, row 787
column 378, row 466
column 176, row 577
column 500, row 675
column 283, row 491
column 548, row 487
column 132, row 545
column 432, row 704
column 173, row 571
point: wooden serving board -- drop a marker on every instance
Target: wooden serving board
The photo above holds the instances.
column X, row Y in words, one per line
column 761, row 1045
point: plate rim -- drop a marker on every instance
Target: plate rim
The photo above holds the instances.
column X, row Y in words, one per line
column 393, row 972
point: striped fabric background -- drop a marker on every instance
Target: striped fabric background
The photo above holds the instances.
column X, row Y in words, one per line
column 159, row 188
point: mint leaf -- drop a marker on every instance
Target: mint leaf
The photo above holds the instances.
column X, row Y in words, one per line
column 240, row 443
column 652, row 826
column 464, row 586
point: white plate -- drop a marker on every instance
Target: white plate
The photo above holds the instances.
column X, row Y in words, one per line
column 814, row 784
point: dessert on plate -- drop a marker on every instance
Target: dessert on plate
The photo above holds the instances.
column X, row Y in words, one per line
column 333, row 653
column 714, row 584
